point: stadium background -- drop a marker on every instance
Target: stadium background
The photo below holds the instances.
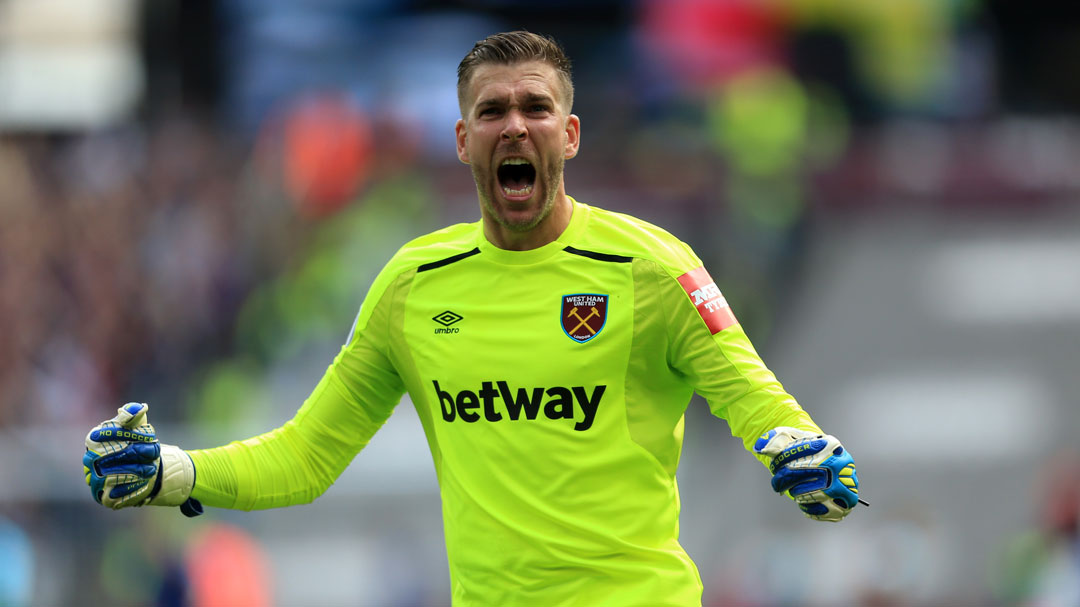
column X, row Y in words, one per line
column 194, row 197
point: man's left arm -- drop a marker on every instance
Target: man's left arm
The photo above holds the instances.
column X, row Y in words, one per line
column 709, row 347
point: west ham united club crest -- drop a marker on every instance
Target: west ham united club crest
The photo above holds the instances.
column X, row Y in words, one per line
column 584, row 315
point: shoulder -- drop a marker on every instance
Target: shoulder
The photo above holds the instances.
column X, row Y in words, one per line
column 432, row 248
column 429, row 250
column 441, row 246
column 615, row 233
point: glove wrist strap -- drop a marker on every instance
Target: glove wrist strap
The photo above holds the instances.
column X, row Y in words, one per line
column 177, row 477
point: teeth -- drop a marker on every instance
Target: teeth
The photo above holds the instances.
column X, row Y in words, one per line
column 514, row 161
column 522, row 192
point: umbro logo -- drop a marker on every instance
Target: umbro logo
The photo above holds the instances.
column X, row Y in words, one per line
column 446, row 319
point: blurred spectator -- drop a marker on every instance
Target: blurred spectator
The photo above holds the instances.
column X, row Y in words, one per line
column 226, row 567
column 760, row 124
column 327, row 153
column 701, row 43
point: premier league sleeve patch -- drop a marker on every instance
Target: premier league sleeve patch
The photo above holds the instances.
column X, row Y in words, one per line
column 708, row 299
column 583, row 315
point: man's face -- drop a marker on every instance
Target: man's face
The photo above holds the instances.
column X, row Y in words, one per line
column 516, row 134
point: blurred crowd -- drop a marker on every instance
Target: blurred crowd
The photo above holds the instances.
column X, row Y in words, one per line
column 128, row 252
column 119, row 265
column 128, row 255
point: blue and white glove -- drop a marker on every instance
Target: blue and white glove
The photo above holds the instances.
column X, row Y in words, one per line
column 125, row 465
column 814, row 469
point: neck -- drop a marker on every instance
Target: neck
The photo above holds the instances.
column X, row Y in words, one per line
column 549, row 228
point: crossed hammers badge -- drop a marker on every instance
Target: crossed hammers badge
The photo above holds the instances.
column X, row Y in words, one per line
column 584, row 315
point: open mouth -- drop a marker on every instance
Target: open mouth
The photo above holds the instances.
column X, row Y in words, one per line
column 516, row 178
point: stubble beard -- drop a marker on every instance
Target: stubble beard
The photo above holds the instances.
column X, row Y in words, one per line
column 551, row 191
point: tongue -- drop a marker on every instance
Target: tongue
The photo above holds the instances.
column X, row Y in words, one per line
column 515, row 183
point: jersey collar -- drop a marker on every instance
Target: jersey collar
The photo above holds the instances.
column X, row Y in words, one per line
column 578, row 218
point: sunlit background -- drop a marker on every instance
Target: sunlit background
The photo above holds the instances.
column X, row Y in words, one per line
column 195, row 196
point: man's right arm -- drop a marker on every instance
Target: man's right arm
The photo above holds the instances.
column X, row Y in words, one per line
column 297, row 462
column 126, row 466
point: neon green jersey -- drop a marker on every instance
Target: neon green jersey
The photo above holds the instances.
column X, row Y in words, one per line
column 551, row 384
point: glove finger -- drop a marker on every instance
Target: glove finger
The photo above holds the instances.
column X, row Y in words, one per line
column 798, row 450
column 111, row 466
column 829, row 510
column 125, row 489
column 798, row 481
column 137, row 497
column 814, row 509
column 138, row 453
column 846, row 491
column 132, row 470
column 776, row 440
column 104, row 489
column 109, row 432
column 98, row 483
column 131, row 415
column 836, row 492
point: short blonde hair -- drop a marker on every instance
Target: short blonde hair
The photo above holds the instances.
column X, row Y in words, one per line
column 514, row 47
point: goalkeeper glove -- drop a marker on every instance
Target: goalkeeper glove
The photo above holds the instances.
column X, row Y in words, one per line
column 125, row 465
column 814, row 469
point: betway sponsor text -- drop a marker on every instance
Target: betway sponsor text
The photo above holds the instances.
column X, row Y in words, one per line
column 496, row 400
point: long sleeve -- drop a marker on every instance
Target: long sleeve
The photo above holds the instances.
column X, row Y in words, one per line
column 298, row 461
column 718, row 360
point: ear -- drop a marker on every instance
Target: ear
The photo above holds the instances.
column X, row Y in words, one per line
column 459, row 134
column 573, row 136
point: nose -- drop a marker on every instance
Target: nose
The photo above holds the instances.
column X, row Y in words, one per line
column 514, row 129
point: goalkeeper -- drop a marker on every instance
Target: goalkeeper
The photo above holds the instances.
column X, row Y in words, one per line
column 550, row 350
